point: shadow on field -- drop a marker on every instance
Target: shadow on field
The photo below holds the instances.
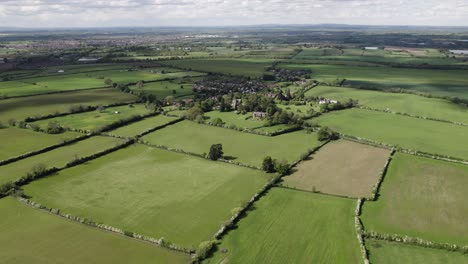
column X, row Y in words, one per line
column 229, row 158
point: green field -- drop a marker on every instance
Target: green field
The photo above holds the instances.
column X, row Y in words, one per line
column 290, row 226
column 163, row 89
column 408, row 132
column 32, row 236
column 152, row 192
column 423, row 198
column 16, row 141
column 242, row 67
column 57, row 157
column 94, row 120
column 242, row 147
column 244, row 121
column 139, row 127
column 382, row 252
column 125, row 76
column 396, row 102
column 438, row 82
column 32, row 106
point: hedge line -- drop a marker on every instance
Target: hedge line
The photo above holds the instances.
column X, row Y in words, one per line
column 151, row 130
column 56, row 92
column 360, row 231
column 415, row 241
column 376, row 188
column 160, row 242
column 252, row 131
column 46, row 149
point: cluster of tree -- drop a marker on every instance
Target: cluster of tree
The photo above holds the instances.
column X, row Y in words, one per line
column 350, row 103
column 272, row 165
column 325, row 133
column 53, row 127
column 216, row 152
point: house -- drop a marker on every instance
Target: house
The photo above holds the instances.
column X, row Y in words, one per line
column 259, row 115
column 60, row 71
column 88, row 59
column 327, row 101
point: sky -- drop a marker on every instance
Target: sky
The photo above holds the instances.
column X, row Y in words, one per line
column 114, row 13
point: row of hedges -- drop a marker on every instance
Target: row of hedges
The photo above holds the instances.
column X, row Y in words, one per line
column 414, row 116
column 54, row 92
column 161, row 242
column 240, row 129
column 46, row 149
column 376, row 188
column 79, row 109
column 415, row 241
column 151, row 130
column 360, row 231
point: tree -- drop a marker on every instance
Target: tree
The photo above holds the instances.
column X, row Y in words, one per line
column 54, row 128
column 108, row 82
column 140, row 84
column 326, row 133
column 216, row 152
column 268, row 165
column 193, row 112
column 218, row 122
column 282, row 167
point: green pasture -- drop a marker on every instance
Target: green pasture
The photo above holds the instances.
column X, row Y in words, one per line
column 288, row 226
column 33, row 236
column 244, row 121
column 139, row 127
column 239, row 146
column 133, row 76
column 423, row 198
column 407, row 132
column 152, row 192
column 163, row 89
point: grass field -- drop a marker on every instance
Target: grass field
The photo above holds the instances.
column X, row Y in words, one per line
column 31, row 106
column 396, row 102
column 242, row 147
column 16, row 141
column 421, row 198
column 342, row 168
column 139, row 127
column 166, row 88
column 32, row 236
column 290, row 226
column 153, row 192
column 124, row 76
column 242, row 67
column 57, row 157
column 382, row 252
column 438, row 82
column 96, row 119
column 407, row 132
column 244, row 121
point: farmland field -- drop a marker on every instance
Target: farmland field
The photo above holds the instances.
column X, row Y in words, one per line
column 124, row 76
column 396, row 102
column 152, row 192
column 288, row 226
column 407, row 132
column 31, row 106
column 96, row 119
column 356, row 169
column 163, row 89
column 438, row 82
column 422, row 198
column 242, row 147
column 139, row 127
column 382, row 252
column 244, row 121
column 32, row 236
column 57, row 157
column 26, row 140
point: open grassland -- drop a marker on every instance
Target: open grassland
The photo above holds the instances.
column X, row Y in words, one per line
column 244, row 121
column 125, row 76
column 33, row 236
column 242, row 67
column 139, row 127
column 342, row 168
column 56, row 158
column 152, row 192
column 32, row 106
column 94, row 120
column 288, row 226
column 383, row 252
column 16, row 141
column 396, row 102
column 407, row 132
column 421, row 198
column 163, row 89
column 438, row 82
column 242, row 147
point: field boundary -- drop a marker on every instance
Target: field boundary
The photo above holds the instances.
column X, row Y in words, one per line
column 383, row 173
column 360, row 230
column 253, row 131
column 151, row 130
column 55, row 92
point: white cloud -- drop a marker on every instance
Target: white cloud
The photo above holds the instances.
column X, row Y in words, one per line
column 71, row 13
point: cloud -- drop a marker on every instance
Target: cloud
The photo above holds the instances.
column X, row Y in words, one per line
column 59, row 13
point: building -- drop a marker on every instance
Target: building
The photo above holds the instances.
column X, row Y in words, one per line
column 259, row 115
column 327, row 101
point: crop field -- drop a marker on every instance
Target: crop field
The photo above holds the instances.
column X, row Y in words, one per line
column 57, row 157
column 423, row 198
column 163, row 89
column 356, row 169
column 438, row 82
column 237, row 67
column 407, row 132
column 26, row 140
column 396, row 102
column 288, row 226
column 386, row 253
column 47, row 237
column 32, row 106
column 238, row 146
column 139, row 127
column 153, row 192
column 96, row 119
